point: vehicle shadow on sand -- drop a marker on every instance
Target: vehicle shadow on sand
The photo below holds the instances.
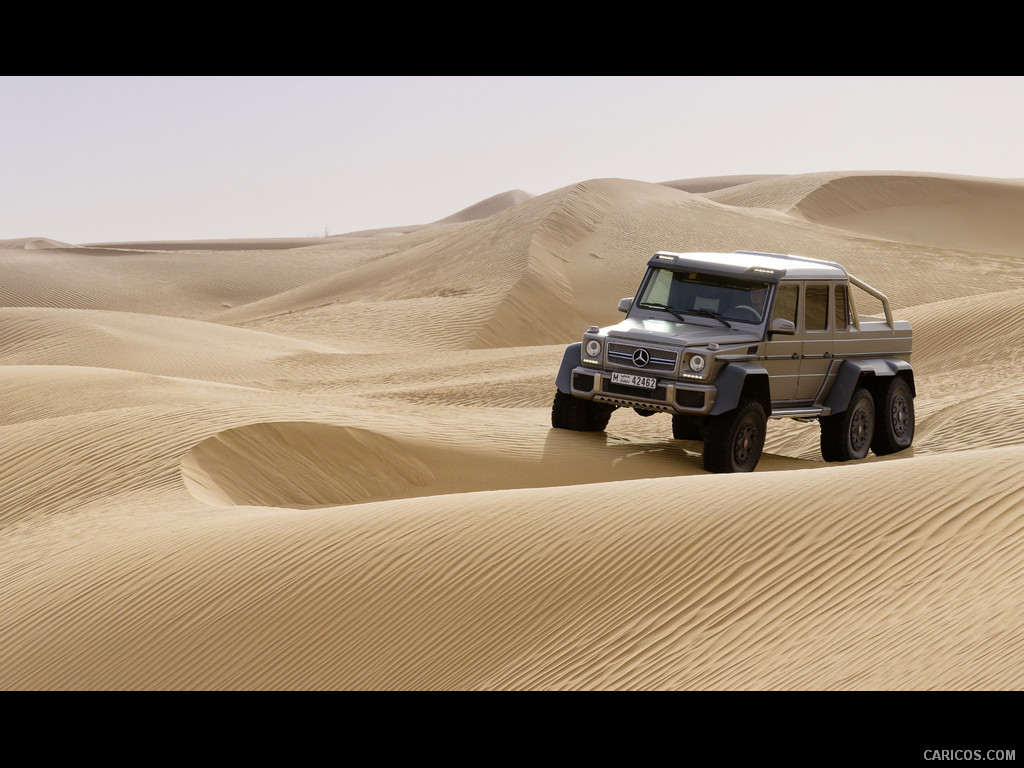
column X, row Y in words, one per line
column 593, row 457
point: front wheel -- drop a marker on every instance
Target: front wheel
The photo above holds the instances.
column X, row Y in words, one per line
column 847, row 436
column 734, row 440
column 568, row 412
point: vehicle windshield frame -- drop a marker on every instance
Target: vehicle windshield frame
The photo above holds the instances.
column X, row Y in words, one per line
column 689, row 294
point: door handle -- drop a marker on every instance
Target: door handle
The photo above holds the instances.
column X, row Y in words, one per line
column 796, row 355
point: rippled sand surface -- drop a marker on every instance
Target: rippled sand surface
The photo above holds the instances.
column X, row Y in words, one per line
column 328, row 463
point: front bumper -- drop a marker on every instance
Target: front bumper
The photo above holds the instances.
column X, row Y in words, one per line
column 670, row 395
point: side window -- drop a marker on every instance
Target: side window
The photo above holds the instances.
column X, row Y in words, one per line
column 786, row 299
column 842, row 308
column 816, row 308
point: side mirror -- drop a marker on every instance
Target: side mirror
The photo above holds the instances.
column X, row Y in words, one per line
column 625, row 304
column 781, row 325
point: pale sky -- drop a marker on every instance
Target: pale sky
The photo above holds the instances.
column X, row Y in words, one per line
column 93, row 159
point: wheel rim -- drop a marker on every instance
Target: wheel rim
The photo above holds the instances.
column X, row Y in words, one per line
column 744, row 447
column 860, row 431
column 900, row 417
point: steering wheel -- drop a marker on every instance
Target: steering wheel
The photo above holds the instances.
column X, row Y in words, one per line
column 747, row 308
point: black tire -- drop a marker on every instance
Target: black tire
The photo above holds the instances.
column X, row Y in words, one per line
column 568, row 412
column 686, row 427
column 894, row 429
column 847, row 436
column 734, row 440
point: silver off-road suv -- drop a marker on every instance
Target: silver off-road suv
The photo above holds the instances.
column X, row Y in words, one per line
column 724, row 341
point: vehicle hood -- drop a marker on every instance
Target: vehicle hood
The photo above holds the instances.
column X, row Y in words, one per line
column 688, row 334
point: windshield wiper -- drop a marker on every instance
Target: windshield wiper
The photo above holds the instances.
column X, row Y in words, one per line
column 708, row 313
column 665, row 307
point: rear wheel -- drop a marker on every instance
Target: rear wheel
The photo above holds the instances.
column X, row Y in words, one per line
column 734, row 440
column 568, row 412
column 895, row 428
column 847, row 436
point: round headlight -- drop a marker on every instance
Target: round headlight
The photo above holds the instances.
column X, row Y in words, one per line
column 697, row 363
column 593, row 348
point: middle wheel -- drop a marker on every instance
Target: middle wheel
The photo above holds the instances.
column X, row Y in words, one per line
column 847, row 436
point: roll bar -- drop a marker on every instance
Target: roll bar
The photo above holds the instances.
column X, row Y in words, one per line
column 877, row 294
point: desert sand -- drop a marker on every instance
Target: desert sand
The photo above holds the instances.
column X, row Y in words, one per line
column 327, row 463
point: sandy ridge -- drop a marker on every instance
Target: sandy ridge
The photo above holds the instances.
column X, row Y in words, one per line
column 643, row 599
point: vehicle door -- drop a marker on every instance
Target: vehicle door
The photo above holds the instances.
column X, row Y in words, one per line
column 782, row 351
column 816, row 334
column 845, row 336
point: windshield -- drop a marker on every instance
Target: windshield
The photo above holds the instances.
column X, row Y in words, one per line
column 701, row 295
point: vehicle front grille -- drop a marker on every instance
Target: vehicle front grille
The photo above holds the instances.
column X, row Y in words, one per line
column 661, row 359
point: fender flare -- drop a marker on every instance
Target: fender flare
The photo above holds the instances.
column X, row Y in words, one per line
column 730, row 383
column 571, row 358
column 850, row 373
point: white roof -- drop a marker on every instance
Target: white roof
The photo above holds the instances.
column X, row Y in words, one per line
column 740, row 262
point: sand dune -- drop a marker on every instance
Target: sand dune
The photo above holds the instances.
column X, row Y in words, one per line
column 327, row 463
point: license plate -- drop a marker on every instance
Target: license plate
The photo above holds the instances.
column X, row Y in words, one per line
column 645, row 382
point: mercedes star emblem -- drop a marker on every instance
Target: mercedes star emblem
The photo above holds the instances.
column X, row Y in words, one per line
column 641, row 358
